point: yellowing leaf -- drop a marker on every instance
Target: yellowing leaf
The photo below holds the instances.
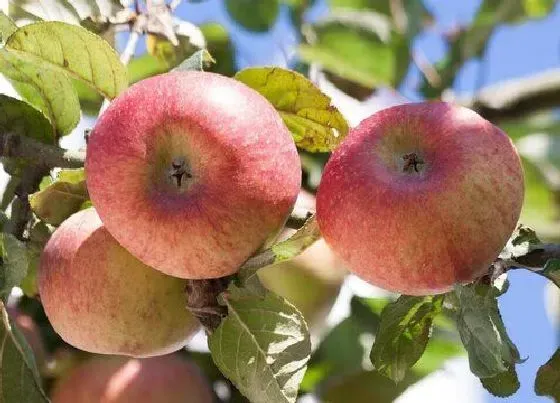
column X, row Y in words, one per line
column 316, row 125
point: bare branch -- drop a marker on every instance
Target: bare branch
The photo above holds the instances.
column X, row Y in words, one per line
column 13, row 145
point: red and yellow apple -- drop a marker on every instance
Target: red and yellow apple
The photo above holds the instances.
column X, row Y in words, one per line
column 192, row 172
column 420, row 197
column 169, row 379
column 99, row 298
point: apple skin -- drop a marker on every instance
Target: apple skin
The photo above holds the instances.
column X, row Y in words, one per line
column 169, row 379
column 101, row 299
column 192, row 172
column 419, row 233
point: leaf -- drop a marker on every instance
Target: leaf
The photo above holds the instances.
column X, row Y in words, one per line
column 61, row 199
column 482, row 331
column 20, row 118
column 551, row 270
column 198, row 61
column 43, row 87
column 19, row 377
column 262, row 346
column 315, row 124
column 538, row 8
column 403, row 334
column 76, row 51
column 358, row 46
column 547, row 382
column 218, row 43
column 262, row 16
column 502, row 385
column 7, row 27
column 70, row 11
column 14, row 263
column 522, row 241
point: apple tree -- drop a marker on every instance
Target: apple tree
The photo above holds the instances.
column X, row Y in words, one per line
column 192, row 206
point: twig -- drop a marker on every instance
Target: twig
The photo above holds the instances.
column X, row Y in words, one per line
column 50, row 156
column 536, row 259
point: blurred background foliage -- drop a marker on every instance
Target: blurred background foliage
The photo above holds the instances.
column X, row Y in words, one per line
column 364, row 54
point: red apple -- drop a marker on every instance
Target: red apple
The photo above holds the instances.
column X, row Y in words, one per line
column 192, row 172
column 420, row 197
column 101, row 299
column 168, row 379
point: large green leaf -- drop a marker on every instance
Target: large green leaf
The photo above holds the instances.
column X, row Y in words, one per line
column 403, row 334
column 483, row 333
column 19, row 377
column 315, row 123
column 14, row 263
column 76, row 51
column 262, row 346
column 20, row 118
column 254, row 15
column 547, row 382
column 358, row 46
column 45, row 87
column 62, row 198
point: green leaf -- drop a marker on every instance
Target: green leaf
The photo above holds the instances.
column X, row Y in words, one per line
column 61, row 199
column 482, row 331
column 403, row 334
column 315, row 124
column 298, row 242
column 76, row 51
column 219, row 45
column 198, row 61
column 551, row 270
column 262, row 346
column 502, row 385
column 260, row 18
column 357, row 46
column 70, row 11
column 19, row 377
column 547, row 382
column 14, row 263
column 7, row 27
column 44, row 87
column 522, row 241
column 20, row 118
column 538, row 8
column 437, row 352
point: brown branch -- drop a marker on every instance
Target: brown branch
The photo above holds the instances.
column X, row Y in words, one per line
column 514, row 98
column 16, row 146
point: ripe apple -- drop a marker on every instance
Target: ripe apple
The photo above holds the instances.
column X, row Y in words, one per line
column 169, row 379
column 420, row 197
column 31, row 333
column 310, row 281
column 192, row 172
column 101, row 299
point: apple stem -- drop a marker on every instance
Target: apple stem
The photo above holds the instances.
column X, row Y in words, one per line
column 202, row 301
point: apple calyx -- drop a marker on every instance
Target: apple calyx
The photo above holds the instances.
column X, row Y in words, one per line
column 179, row 174
column 412, row 162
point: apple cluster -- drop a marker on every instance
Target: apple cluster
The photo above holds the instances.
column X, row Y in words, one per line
column 191, row 173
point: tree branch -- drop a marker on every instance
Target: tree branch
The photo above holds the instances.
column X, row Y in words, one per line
column 515, row 98
column 16, row 146
column 537, row 258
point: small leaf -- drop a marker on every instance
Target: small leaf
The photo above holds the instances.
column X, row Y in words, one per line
column 482, row 331
column 15, row 263
column 315, row 124
column 521, row 242
column 44, row 87
column 61, row 199
column 548, row 378
column 198, row 62
column 403, row 334
column 19, row 377
column 262, row 346
column 76, row 51
column 502, row 385
column 20, row 118
column 7, row 27
column 262, row 16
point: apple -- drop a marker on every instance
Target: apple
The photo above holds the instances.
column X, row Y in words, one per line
column 420, row 197
column 192, row 172
column 31, row 333
column 311, row 281
column 169, row 379
column 101, row 299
